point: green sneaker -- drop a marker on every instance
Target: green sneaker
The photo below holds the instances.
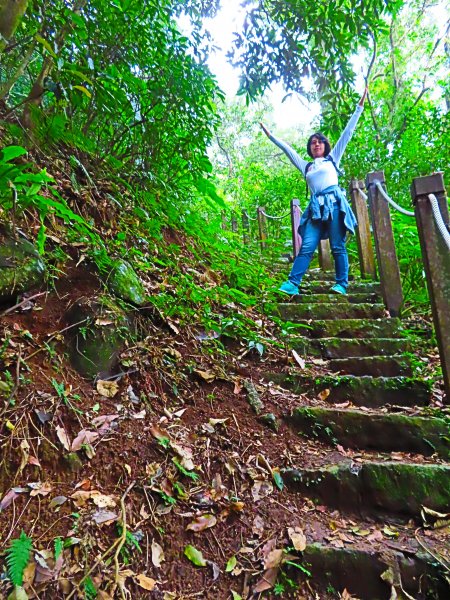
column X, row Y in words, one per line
column 338, row 289
column 288, row 288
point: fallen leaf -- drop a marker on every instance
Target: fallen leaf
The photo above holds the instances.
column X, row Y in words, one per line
column 7, row 499
column 157, row 554
column 40, row 489
column 298, row 359
column 297, row 538
column 146, row 583
column 208, row 376
column 323, row 395
column 102, row 516
column 258, row 526
column 232, row 562
column 80, row 497
column 267, row 581
column 274, row 558
column 63, row 437
column 103, row 422
column 202, row 522
column 261, row 489
column 108, row 389
column 84, row 438
column 195, row 556
column 57, row 501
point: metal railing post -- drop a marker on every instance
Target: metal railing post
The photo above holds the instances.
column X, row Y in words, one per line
column 388, row 268
column 436, row 259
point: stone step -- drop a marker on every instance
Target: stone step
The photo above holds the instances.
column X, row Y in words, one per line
column 386, row 432
column 360, row 570
column 376, row 488
column 372, row 392
column 388, row 327
column 376, row 366
column 344, row 348
column 355, row 287
column 319, row 275
column 294, row 312
column 352, row 298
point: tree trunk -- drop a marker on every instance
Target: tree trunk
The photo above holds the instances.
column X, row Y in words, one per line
column 11, row 11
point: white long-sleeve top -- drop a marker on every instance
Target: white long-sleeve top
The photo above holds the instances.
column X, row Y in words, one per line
column 322, row 174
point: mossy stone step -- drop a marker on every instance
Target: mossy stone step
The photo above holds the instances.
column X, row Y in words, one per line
column 319, row 275
column 357, row 298
column 360, row 570
column 375, row 487
column 377, row 366
column 343, row 348
column 372, row 392
column 377, row 431
column 329, row 311
column 355, row 287
column 351, row 328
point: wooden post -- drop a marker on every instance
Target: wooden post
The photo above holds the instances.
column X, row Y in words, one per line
column 296, row 213
column 363, row 236
column 224, row 220
column 262, row 224
column 325, row 261
column 234, row 225
column 391, row 285
column 245, row 227
column 436, row 259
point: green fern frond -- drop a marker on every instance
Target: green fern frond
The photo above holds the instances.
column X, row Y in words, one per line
column 17, row 557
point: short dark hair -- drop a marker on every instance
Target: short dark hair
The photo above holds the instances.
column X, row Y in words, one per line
column 321, row 138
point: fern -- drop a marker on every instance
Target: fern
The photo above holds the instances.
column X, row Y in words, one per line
column 17, row 557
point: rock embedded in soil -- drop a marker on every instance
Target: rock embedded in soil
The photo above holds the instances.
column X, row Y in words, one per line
column 271, row 421
column 124, row 283
column 97, row 335
column 21, row 267
column 381, row 431
column 360, row 570
column 375, row 487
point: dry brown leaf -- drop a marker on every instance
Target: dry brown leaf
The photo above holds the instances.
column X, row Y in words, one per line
column 323, row 395
column 84, row 438
column 157, row 554
column 108, row 389
column 261, row 490
column 274, row 558
column 201, row 523
column 40, row 489
column 80, row 497
column 298, row 538
column 267, row 581
column 63, row 437
column 146, row 583
column 208, row 376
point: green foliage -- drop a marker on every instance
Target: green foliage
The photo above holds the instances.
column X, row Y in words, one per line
column 17, row 557
column 90, row 591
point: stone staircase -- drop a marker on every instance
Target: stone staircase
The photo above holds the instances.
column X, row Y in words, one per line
column 355, row 339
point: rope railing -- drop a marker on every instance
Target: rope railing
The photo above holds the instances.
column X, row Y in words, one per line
column 439, row 220
column 362, row 192
column 400, row 209
column 248, row 216
column 273, row 216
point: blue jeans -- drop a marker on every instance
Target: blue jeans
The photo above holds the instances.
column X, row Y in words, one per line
column 312, row 235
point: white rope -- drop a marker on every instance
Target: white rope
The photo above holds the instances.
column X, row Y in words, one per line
column 409, row 213
column 363, row 194
column 439, row 220
column 272, row 217
column 248, row 216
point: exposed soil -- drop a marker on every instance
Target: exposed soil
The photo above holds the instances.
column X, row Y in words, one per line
column 179, row 399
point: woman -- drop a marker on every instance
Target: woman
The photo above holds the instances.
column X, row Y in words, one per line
column 328, row 214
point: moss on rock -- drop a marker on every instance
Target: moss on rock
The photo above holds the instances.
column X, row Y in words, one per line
column 21, row 268
column 124, row 283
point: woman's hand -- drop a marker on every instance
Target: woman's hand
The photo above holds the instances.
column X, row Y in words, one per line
column 363, row 97
column 264, row 128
